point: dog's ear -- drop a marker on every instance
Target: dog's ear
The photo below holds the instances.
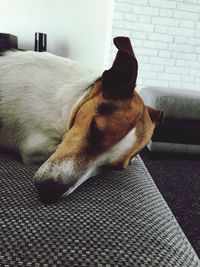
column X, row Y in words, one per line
column 120, row 80
column 157, row 116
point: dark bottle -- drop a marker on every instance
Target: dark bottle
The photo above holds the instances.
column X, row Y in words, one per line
column 40, row 42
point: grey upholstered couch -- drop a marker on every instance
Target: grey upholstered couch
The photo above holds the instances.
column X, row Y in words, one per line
column 115, row 219
column 180, row 130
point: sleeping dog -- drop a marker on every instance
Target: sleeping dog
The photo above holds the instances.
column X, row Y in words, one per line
column 56, row 112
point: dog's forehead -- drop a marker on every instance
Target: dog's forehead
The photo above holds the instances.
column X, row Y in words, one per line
column 121, row 115
column 108, row 106
column 94, row 103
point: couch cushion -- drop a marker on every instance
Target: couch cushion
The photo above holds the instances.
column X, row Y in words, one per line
column 115, row 219
column 180, row 130
column 177, row 104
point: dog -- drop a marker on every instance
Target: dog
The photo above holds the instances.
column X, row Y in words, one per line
column 56, row 112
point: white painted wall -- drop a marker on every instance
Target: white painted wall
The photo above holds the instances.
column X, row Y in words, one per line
column 166, row 39
column 77, row 29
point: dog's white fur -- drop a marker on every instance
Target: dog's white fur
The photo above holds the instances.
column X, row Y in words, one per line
column 38, row 91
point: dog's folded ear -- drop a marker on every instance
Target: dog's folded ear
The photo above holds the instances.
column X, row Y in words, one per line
column 120, row 80
column 157, row 116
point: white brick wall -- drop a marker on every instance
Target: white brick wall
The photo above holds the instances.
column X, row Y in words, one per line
column 166, row 38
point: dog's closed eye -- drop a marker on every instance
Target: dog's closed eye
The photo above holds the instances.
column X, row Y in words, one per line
column 95, row 136
column 106, row 109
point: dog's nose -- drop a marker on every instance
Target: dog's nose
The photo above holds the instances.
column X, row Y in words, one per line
column 50, row 190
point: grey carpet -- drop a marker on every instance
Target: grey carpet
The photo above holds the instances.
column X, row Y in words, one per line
column 116, row 219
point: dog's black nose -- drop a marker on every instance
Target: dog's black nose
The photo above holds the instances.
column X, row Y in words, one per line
column 50, row 191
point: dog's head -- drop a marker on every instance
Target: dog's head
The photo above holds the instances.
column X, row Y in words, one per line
column 108, row 126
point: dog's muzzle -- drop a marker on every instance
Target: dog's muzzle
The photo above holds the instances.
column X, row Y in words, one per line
column 53, row 180
column 56, row 180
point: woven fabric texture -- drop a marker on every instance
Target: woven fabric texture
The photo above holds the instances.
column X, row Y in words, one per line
column 115, row 219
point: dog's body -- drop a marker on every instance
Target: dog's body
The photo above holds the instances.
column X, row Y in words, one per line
column 38, row 91
column 47, row 114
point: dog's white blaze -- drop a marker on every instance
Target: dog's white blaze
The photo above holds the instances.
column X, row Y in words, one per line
column 109, row 156
column 120, row 148
column 65, row 169
column 61, row 171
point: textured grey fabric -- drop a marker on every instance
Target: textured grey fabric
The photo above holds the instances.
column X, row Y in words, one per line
column 176, row 103
column 115, row 219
